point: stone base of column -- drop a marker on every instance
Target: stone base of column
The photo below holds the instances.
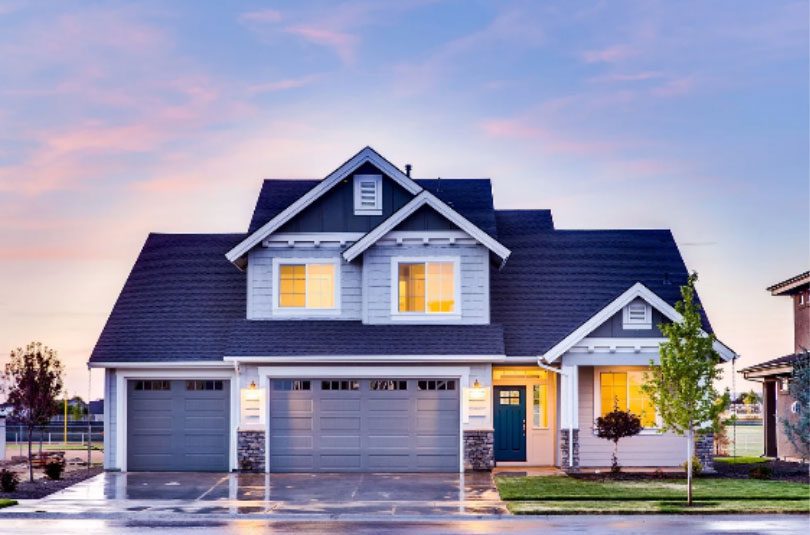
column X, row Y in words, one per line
column 479, row 450
column 565, row 450
column 704, row 450
column 250, row 451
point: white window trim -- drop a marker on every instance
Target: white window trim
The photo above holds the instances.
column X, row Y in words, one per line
column 304, row 311
column 425, row 316
column 597, row 396
column 629, row 324
column 359, row 209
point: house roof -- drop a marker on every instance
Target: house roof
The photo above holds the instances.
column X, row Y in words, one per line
column 776, row 365
column 791, row 285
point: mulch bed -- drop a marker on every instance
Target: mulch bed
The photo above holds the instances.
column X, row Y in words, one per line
column 43, row 487
column 781, row 470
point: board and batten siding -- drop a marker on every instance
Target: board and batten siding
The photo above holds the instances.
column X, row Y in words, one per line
column 473, row 265
column 110, row 423
column 614, row 327
column 655, row 450
column 261, row 280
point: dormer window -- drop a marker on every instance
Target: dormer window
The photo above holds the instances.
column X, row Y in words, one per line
column 367, row 194
column 637, row 315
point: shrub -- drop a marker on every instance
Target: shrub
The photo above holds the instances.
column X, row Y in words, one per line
column 54, row 469
column 761, row 472
column 614, row 426
column 8, row 480
column 697, row 466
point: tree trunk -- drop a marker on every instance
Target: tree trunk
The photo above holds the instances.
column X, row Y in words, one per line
column 689, row 446
column 30, row 446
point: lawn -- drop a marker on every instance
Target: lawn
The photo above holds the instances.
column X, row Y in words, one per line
column 741, row 460
column 563, row 494
column 7, row 503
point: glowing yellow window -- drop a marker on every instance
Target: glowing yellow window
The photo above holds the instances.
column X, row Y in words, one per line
column 540, row 406
column 427, row 287
column 639, row 403
column 614, row 391
column 306, row 286
column 623, row 390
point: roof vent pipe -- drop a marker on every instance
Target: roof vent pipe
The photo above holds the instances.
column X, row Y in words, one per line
column 408, row 168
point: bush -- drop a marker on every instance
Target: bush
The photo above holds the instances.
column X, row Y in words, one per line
column 761, row 472
column 9, row 480
column 54, row 469
column 697, row 466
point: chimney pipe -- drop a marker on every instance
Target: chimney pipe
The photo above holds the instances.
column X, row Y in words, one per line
column 408, row 168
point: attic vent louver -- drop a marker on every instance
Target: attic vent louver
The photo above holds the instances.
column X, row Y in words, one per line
column 368, row 194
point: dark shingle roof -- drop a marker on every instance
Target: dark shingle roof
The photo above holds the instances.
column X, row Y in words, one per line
column 556, row 280
column 774, row 363
column 471, row 197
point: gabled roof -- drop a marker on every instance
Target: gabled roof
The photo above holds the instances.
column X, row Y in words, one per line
column 777, row 366
column 791, row 285
column 365, row 155
column 425, row 198
column 637, row 290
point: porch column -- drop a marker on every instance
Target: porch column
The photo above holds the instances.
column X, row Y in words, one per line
column 569, row 417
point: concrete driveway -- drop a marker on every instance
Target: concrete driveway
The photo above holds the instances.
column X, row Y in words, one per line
column 112, row 495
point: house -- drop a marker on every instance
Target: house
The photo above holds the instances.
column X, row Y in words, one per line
column 775, row 374
column 370, row 321
column 96, row 410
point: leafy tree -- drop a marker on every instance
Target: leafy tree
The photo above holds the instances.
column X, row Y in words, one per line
column 798, row 430
column 750, row 398
column 614, row 426
column 32, row 379
column 682, row 386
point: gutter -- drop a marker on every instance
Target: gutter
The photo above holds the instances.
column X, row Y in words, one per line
column 571, row 403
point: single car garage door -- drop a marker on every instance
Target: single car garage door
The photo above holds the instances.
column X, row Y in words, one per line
column 366, row 425
column 178, row 425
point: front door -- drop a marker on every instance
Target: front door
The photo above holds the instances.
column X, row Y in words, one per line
column 769, row 406
column 510, row 423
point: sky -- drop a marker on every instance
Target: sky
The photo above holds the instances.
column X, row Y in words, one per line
column 122, row 118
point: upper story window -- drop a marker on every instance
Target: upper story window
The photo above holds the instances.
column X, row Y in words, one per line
column 305, row 286
column 637, row 315
column 367, row 194
column 425, row 287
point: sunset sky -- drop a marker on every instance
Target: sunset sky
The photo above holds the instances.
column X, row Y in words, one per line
column 121, row 118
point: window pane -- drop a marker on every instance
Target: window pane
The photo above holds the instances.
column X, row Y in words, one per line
column 440, row 287
column 539, row 406
column 320, row 286
column 639, row 403
column 292, row 288
column 412, row 287
column 613, row 388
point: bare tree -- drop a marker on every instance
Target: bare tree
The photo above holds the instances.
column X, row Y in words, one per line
column 32, row 379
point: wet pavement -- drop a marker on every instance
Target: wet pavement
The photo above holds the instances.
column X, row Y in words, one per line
column 133, row 495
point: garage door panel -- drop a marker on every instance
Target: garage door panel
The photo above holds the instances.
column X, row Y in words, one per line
column 347, row 441
column 206, row 405
column 389, row 404
column 437, row 404
column 332, row 423
column 433, row 462
column 349, row 461
column 394, row 423
column 394, row 440
column 441, row 442
column 337, row 405
column 292, row 405
column 298, row 463
column 151, row 405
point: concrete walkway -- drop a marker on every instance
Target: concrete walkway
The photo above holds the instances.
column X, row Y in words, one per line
column 131, row 495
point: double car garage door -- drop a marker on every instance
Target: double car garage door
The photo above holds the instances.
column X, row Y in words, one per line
column 315, row 425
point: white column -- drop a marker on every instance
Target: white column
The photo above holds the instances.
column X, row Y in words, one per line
column 569, row 396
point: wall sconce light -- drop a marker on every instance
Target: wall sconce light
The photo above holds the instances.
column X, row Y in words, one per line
column 252, row 385
column 476, row 384
column 477, row 392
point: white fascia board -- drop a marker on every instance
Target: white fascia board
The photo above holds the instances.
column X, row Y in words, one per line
column 180, row 364
column 426, row 198
column 380, row 359
column 366, row 155
column 635, row 291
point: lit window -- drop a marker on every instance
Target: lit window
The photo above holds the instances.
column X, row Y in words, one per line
column 306, row 286
column 427, row 287
column 540, row 406
column 368, row 194
column 622, row 390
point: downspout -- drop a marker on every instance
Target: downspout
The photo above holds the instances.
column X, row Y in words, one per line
column 570, row 403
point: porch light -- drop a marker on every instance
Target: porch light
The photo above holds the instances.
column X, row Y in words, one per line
column 252, row 385
column 252, row 407
column 477, row 392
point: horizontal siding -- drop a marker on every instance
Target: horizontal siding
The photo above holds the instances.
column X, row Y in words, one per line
column 641, row 450
column 261, row 280
column 474, row 267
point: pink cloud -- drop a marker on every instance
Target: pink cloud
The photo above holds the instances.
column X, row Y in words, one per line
column 628, row 77
column 282, row 85
column 676, row 87
column 262, row 16
column 342, row 43
column 611, row 54
column 547, row 140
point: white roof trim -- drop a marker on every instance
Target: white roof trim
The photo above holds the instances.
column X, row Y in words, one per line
column 366, row 155
column 635, row 291
column 426, row 198
column 356, row 359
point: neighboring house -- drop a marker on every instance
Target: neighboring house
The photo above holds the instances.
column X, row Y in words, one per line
column 96, row 410
column 6, row 409
column 775, row 374
column 372, row 322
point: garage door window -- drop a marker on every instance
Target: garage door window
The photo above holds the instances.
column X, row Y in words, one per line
column 436, row 385
column 203, row 385
column 291, row 385
column 153, row 385
column 340, row 385
column 384, row 384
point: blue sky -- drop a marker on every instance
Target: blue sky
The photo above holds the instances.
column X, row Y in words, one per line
column 120, row 118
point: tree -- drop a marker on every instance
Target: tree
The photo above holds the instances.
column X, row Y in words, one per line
column 32, row 380
column 614, row 426
column 750, row 398
column 681, row 387
column 798, row 429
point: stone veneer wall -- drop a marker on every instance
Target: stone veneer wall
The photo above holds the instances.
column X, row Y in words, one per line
column 564, row 464
column 704, row 450
column 479, row 450
column 250, row 451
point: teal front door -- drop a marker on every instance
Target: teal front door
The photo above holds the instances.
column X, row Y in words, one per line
column 510, row 423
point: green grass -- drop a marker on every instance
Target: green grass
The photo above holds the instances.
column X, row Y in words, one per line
column 659, row 507
column 58, row 446
column 741, row 460
column 564, row 488
column 7, row 503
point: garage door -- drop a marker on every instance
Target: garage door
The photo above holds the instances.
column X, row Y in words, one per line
column 367, row 425
column 178, row 425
